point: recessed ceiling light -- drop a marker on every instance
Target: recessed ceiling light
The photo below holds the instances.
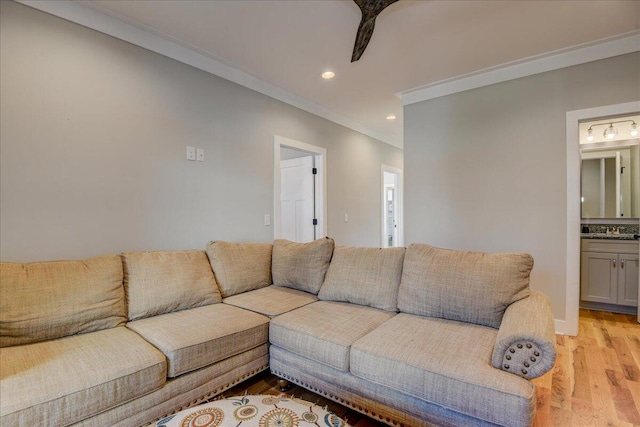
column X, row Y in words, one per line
column 328, row 75
column 391, row 117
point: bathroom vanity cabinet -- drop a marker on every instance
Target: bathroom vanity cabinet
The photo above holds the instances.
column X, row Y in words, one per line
column 609, row 272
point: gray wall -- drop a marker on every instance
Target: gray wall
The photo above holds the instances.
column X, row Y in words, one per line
column 93, row 139
column 486, row 169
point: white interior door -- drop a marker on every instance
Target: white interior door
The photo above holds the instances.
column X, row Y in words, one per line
column 297, row 198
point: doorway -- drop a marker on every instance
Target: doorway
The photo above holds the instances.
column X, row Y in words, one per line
column 573, row 118
column 391, row 234
column 299, row 171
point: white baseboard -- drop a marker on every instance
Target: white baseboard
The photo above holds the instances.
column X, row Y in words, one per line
column 561, row 327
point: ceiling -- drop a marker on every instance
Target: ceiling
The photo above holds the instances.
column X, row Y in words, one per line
column 288, row 44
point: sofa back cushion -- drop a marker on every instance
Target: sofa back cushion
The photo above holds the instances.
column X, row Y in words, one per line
column 240, row 267
column 164, row 281
column 301, row 266
column 365, row 276
column 471, row 287
column 41, row 301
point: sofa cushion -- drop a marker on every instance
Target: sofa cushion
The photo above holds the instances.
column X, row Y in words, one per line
column 240, row 267
column 164, row 281
column 324, row 331
column 301, row 265
column 272, row 300
column 444, row 362
column 46, row 300
column 192, row 339
column 63, row 381
column 471, row 287
column 365, row 276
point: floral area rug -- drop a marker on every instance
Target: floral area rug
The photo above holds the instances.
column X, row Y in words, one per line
column 254, row 411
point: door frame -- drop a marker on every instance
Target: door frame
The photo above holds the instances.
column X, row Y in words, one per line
column 320, row 155
column 572, row 297
column 399, row 206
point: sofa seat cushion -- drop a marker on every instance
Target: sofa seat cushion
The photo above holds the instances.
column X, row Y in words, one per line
column 272, row 300
column 444, row 362
column 324, row 331
column 198, row 337
column 61, row 382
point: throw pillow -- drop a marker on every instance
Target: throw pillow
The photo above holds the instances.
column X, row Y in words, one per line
column 301, row 266
column 240, row 267
column 365, row 276
column 160, row 282
column 41, row 301
column 471, row 287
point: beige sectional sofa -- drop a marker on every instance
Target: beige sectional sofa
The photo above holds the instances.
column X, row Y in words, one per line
column 414, row 336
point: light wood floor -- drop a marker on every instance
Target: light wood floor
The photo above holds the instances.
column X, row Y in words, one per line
column 595, row 382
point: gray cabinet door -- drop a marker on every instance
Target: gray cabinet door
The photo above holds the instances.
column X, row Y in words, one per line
column 628, row 279
column 598, row 278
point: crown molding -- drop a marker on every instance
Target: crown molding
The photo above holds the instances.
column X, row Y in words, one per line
column 574, row 55
column 133, row 34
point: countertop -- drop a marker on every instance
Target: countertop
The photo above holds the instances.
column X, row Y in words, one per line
column 608, row 236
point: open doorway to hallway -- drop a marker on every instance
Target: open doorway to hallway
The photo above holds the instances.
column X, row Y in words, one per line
column 392, row 235
column 299, row 190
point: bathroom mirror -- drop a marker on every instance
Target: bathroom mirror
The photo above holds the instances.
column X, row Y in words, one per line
column 611, row 180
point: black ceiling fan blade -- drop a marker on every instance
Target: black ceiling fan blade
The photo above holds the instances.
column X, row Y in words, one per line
column 370, row 10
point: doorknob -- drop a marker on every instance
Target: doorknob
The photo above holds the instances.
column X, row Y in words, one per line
column 614, row 263
column 621, row 263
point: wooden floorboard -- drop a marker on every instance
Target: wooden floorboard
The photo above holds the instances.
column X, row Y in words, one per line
column 595, row 382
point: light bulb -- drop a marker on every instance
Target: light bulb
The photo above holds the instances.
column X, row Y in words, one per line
column 589, row 134
column 610, row 132
column 634, row 130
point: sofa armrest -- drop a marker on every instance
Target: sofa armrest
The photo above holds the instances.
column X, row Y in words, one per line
column 526, row 340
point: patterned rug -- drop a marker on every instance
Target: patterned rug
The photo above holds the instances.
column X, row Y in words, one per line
column 254, row 411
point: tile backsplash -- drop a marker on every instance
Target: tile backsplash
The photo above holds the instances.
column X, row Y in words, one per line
column 602, row 228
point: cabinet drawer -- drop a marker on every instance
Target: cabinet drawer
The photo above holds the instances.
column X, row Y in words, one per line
column 610, row 246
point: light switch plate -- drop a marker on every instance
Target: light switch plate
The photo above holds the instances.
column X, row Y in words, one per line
column 191, row 153
column 267, row 219
column 200, row 154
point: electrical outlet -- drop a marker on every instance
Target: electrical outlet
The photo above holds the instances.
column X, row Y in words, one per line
column 346, row 217
column 191, row 153
column 200, row 154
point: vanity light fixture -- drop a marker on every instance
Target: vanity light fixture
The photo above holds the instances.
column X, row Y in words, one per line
column 611, row 132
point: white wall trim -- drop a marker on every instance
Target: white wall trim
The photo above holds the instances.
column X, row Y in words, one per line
column 173, row 48
column 573, row 204
column 575, row 55
column 321, row 186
